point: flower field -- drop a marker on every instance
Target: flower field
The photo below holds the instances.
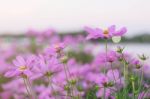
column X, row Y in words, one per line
column 49, row 66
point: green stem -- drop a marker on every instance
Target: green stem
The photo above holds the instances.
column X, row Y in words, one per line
column 106, row 50
column 141, row 80
column 125, row 69
column 142, row 75
column 133, row 88
column 124, row 74
column 67, row 70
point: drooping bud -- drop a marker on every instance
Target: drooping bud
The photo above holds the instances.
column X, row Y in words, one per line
column 143, row 57
column 138, row 66
column 119, row 49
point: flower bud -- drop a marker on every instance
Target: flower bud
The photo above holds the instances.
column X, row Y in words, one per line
column 80, row 88
column 138, row 66
column 73, row 82
column 64, row 59
column 67, row 87
column 119, row 49
column 143, row 57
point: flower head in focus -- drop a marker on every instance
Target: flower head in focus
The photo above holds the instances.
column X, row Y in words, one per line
column 22, row 67
column 95, row 33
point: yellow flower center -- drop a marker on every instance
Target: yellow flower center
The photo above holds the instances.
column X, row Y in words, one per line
column 22, row 68
column 56, row 46
column 106, row 32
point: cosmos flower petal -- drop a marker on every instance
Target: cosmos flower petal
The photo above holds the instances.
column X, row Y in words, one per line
column 93, row 33
column 16, row 63
column 9, row 74
column 112, row 28
column 20, row 60
column 28, row 73
column 121, row 32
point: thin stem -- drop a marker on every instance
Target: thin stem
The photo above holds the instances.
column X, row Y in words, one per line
column 72, row 86
column 28, row 92
column 133, row 88
column 65, row 69
column 124, row 73
column 106, row 49
column 125, row 68
column 52, row 88
column 141, row 80
column 30, row 87
column 145, row 93
column 142, row 75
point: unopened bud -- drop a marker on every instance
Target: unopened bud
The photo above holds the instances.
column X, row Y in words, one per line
column 67, row 87
column 143, row 57
column 119, row 49
column 73, row 82
column 64, row 59
column 138, row 66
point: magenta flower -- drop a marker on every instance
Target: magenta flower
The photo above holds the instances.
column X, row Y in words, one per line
column 46, row 67
column 11, row 88
column 54, row 49
column 44, row 92
column 136, row 63
column 111, row 81
column 22, row 67
column 95, row 33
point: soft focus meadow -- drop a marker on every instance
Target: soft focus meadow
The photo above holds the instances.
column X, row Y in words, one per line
column 49, row 66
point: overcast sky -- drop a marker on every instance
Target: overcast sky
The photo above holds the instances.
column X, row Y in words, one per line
column 67, row 15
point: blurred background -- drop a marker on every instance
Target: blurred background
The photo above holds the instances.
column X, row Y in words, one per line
column 70, row 16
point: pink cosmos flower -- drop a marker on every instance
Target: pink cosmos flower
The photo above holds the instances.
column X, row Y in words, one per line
column 5, row 95
column 95, row 33
column 12, row 89
column 22, row 67
column 112, row 76
column 101, row 58
column 44, row 92
column 54, row 50
column 46, row 67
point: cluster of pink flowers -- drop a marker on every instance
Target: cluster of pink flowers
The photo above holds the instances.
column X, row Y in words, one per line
column 50, row 72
